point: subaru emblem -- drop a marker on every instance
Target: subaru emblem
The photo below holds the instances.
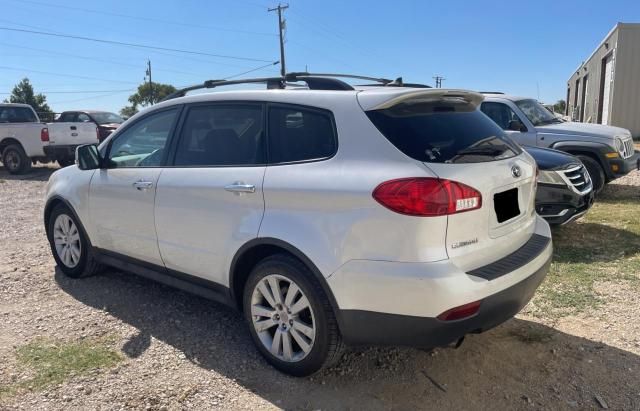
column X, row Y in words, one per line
column 516, row 171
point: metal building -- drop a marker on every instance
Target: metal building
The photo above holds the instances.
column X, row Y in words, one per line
column 605, row 88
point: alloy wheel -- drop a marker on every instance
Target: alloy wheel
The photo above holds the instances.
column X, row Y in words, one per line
column 66, row 238
column 283, row 318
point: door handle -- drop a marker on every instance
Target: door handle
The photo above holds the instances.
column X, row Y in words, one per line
column 74, row 128
column 143, row 185
column 241, row 188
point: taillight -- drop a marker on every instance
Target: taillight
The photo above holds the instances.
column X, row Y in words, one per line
column 44, row 134
column 427, row 197
column 458, row 313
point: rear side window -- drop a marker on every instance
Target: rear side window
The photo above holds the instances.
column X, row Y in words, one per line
column 299, row 134
column 222, row 135
column 67, row 118
column 16, row 115
column 443, row 132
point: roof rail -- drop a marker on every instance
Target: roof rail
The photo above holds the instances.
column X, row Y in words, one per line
column 490, row 92
column 315, row 81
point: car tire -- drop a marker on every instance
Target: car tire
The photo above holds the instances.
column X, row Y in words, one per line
column 15, row 160
column 309, row 336
column 596, row 173
column 69, row 244
column 66, row 162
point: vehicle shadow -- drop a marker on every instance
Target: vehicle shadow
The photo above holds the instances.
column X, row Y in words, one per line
column 592, row 242
column 519, row 365
column 40, row 172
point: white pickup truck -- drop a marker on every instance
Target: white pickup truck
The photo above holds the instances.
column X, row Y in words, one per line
column 25, row 140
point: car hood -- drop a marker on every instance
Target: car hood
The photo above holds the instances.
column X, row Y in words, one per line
column 584, row 129
column 548, row 159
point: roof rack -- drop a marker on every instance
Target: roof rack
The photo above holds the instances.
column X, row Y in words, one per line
column 490, row 92
column 315, row 81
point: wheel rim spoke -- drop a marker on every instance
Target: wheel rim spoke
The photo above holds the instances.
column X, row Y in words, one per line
column 276, row 343
column 287, row 349
column 306, row 347
column 300, row 305
column 262, row 311
column 274, row 285
column 264, row 290
column 264, row 325
column 292, row 292
column 304, row 329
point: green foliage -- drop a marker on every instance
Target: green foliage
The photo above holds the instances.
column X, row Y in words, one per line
column 23, row 93
column 146, row 95
column 560, row 106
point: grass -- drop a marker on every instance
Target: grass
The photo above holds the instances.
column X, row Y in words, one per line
column 602, row 246
column 51, row 362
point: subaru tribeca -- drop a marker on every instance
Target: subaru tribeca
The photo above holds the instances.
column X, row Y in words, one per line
column 329, row 215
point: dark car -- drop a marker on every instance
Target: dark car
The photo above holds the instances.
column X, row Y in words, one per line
column 565, row 191
column 107, row 122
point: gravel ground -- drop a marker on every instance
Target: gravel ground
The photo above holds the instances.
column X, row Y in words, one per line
column 182, row 352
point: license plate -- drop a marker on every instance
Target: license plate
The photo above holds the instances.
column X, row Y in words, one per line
column 506, row 205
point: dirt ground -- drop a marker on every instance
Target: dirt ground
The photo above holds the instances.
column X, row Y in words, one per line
column 178, row 351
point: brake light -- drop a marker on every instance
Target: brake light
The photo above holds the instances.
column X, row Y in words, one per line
column 427, row 197
column 44, row 134
column 458, row 313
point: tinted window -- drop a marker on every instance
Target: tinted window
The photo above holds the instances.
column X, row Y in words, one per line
column 297, row 134
column 67, row 117
column 16, row 115
column 443, row 133
column 83, row 118
column 221, row 135
column 143, row 144
column 106, row 118
column 500, row 113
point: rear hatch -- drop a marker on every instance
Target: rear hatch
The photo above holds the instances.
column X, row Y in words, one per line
column 445, row 131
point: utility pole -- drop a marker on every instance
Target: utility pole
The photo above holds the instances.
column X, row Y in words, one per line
column 150, row 82
column 438, row 80
column 281, row 28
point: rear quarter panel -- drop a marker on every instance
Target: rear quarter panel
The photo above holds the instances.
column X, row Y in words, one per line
column 28, row 134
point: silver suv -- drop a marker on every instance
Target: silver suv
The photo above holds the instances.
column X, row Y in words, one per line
column 329, row 214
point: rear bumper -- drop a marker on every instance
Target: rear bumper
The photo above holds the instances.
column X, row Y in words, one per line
column 61, row 152
column 398, row 303
column 624, row 166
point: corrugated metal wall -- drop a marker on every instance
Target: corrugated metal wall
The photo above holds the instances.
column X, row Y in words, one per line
column 623, row 45
column 626, row 95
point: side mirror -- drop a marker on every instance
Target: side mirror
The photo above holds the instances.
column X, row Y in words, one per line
column 88, row 157
column 516, row 125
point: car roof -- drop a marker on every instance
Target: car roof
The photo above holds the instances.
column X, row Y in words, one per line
column 14, row 105
column 505, row 96
column 368, row 97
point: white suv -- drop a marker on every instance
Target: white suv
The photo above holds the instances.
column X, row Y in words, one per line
column 329, row 215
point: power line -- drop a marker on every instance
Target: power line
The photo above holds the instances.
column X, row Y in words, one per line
column 121, row 43
column 81, row 92
column 64, row 75
column 151, row 19
column 252, row 70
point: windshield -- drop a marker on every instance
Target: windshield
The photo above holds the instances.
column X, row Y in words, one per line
column 443, row 133
column 106, row 118
column 536, row 113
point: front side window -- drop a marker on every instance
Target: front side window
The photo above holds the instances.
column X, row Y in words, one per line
column 222, row 135
column 83, row 118
column 443, row 132
column 500, row 113
column 67, row 118
column 536, row 113
column 16, row 115
column 107, row 118
column 298, row 134
column 143, row 143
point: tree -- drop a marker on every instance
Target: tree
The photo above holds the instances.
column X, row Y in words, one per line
column 560, row 106
column 23, row 93
column 144, row 97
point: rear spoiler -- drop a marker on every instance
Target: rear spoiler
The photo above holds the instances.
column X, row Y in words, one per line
column 384, row 101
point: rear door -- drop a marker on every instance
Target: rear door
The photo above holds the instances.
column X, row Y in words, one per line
column 210, row 201
column 122, row 196
column 459, row 143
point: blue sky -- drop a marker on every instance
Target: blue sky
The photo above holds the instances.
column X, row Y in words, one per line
column 525, row 48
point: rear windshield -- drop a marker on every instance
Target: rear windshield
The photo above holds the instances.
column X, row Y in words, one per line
column 443, row 133
column 9, row 114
